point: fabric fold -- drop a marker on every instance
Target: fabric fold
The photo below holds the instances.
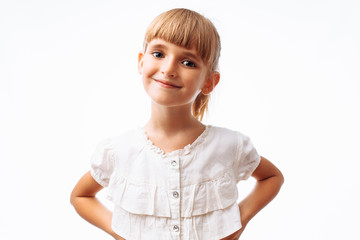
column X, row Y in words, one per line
column 209, row 196
column 139, row 198
column 197, row 199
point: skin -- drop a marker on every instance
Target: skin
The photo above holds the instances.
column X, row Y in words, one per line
column 89, row 207
column 173, row 76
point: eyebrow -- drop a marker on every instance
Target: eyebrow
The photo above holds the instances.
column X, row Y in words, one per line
column 191, row 55
column 158, row 46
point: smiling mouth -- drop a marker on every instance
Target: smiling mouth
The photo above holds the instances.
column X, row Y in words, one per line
column 166, row 84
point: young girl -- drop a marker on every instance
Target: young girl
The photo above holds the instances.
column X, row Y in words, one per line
column 176, row 178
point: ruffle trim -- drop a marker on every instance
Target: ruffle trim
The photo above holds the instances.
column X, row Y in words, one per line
column 184, row 151
column 197, row 199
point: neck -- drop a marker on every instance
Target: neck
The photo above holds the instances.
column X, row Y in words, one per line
column 171, row 119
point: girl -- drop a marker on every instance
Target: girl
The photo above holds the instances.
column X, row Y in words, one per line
column 176, row 178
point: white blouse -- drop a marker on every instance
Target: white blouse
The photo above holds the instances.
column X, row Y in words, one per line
column 187, row 194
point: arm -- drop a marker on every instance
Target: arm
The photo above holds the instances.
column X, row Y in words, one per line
column 89, row 207
column 268, row 183
column 269, row 180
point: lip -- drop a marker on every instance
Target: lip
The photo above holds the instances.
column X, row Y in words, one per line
column 166, row 84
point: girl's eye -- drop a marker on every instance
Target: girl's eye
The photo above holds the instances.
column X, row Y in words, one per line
column 189, row 63
column 157, row 54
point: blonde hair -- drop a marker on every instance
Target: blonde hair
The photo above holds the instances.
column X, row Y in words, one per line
column 187, row 28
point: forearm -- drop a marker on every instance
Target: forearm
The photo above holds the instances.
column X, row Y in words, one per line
column 89, row 207
column 264, row 191
column 93, row 211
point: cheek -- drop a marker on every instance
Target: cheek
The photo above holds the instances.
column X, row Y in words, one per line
column 149, row 66
column 197, row 80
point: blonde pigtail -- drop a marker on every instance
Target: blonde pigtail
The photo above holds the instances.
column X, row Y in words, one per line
column 200, row 106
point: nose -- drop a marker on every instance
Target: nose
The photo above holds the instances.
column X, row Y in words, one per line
column 168, row 68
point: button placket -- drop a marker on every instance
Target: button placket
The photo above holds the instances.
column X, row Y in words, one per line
column 174, row 195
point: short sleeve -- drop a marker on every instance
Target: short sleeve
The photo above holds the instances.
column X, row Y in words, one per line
column 102, row 163
column 247, row 159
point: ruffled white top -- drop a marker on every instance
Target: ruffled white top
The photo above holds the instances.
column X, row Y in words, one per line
column 188, row 194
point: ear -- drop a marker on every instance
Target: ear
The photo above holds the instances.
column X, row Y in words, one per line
column 210, row 83
column 140, row 62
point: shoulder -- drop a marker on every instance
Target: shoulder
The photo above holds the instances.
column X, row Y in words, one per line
column 226, row 134
column 220, row 140
column 225, row 137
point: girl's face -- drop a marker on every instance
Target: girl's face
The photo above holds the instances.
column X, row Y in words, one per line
column 173, row 75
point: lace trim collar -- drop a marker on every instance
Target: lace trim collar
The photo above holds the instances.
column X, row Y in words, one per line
column 184, row 151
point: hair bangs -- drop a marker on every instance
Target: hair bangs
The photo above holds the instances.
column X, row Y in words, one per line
column 186, row 29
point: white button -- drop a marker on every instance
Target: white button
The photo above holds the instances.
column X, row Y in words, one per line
column 173, row 163
column 175, row 194
column 176, row 228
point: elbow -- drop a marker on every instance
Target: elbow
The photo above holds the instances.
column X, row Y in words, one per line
column 281, row 178
column 73, row 198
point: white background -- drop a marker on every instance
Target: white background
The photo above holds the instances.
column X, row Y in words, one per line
column 290, row 80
